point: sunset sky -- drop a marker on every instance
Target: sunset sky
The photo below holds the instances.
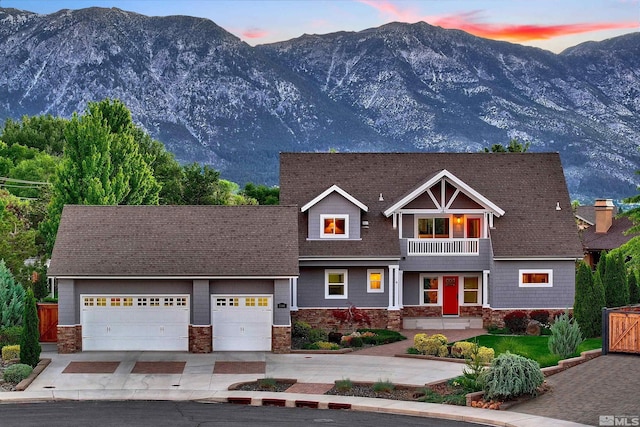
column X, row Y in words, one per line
column 549, row 24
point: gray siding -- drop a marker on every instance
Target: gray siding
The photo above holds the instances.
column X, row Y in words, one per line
column 281, row 295
column 407, row 226
column 201, row 303
column 311, row 289
column 506, row 293
column 334, row 203
column 241, row 286
column 447, row 263
column 411, row 288
column 335, row 263
column 67, row 303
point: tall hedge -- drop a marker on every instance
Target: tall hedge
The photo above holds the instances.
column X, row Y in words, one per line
column 30, row 341
column 11, row 298
column 634, row 289
column 589, row 300
column 616, row 289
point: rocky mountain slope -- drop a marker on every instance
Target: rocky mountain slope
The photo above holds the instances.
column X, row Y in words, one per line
column 211, row 98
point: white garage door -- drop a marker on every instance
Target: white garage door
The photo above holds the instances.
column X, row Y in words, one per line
column 241, row 322
column 135, row 322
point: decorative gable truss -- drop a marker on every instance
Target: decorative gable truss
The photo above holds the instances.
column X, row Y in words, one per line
column 443, row 199
column 334, row 214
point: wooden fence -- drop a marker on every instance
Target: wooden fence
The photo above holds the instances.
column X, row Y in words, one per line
column 48, row 326
column 621, row 330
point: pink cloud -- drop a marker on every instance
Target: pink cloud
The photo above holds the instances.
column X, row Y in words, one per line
column 255, row 33
column 471, row 22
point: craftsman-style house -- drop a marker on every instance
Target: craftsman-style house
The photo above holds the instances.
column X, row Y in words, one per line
column 418, row 240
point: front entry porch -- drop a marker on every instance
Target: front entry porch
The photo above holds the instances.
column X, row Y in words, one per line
column 442, row 322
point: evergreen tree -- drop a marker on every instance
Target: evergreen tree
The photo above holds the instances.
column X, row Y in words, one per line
column 30, row 340
column 615, row 281
column 11, row 298
column 602, row 264
column 589, row 302
column 634, row 289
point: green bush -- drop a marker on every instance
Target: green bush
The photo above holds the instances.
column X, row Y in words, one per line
column 565, row 336
column 462, row 349
column 302, row 335
column 344, row 385
column 356, row 342
column 589, row 301
column 10, row 352
column 380, row 336
column 10, row 335
column 511, row 375
column 267, row 383
column 322, row 345
column 16, row 373
column 383, row 386
column 300, row 330
column 12, row 296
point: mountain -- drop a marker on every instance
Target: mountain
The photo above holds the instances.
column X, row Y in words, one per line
column 210, row 97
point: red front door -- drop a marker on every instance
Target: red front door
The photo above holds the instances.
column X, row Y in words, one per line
column 450, row 295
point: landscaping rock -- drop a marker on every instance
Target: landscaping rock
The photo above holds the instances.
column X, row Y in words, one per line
column 534, row 328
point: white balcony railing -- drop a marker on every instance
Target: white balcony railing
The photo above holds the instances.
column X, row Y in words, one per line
column 435, row 247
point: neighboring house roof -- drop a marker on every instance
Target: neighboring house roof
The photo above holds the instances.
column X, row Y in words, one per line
column 586, row 214
column 176, row 241
column 613, row 238
column 335, row 189
column 527, row 186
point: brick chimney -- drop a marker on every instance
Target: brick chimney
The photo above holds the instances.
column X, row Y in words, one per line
column 604, row 214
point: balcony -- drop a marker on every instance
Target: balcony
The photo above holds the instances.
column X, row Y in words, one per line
column 442, row 247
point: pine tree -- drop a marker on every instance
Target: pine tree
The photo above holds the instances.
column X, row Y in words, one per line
column 12, row 296
column 599, row 301
column 615, row 281
column 634, row 289
column 30, row 341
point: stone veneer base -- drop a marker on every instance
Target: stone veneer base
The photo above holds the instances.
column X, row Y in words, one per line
column 281, row 339
column 200, row 339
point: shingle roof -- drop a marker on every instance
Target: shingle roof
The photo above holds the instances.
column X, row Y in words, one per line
column 613, row 238
column 526, row 185
column 198, row 241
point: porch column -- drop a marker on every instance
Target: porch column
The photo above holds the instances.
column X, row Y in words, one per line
column 293, row 283
column 485, row 288
column 394, row 292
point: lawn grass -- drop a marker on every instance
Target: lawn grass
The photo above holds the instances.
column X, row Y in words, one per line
column 533, row 347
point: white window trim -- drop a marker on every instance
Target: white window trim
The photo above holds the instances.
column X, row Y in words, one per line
column 334, row 236
column 421, row 287
column 345, row 284
column 371, row 290
column 478, row 291
column 535, row 271
column 432, row 218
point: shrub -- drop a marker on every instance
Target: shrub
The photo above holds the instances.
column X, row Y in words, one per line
column 511, row 375
column 356, row 342
column 10, row 335
column 380, row 336
column 30, row 339
column 495, row 329
column 303, row 334
column 462, row 349
column 344, row 385
column 541, row 316
column 430, row 345
column 383, row 386
column 323, row 345
column 413, row 350
column 10, row 352
column 565, row 336
column 12, row 296
column 589, row 301
column 16, row 373
column 516, row 321
column 300, row 330
column 483, row 355
column 316, row 334
column 267, row 383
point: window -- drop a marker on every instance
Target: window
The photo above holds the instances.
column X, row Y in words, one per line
column 375, row 281
column 433, row 228
column 471, row 290
column 429, row 290
column 334, row 226
column 335, row 284
column 473, row 228
column 536, row 278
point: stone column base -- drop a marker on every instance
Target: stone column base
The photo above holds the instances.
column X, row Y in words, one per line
column 395, row 320
column 281, row 339
column 69, row 339
column 200, row 339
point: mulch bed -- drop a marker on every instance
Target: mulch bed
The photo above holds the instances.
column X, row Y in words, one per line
column 239, row 367
column 158, row 368
column 366, row 390
column 277, row 385
column 91, row 368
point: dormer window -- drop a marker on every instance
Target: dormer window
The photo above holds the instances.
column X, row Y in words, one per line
column 334, row 226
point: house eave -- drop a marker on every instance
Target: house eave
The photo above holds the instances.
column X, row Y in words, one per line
column 336, row 189
column 160, row 277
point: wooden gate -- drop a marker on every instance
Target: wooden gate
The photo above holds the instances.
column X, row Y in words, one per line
column 622, row 330
column 48, row 327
